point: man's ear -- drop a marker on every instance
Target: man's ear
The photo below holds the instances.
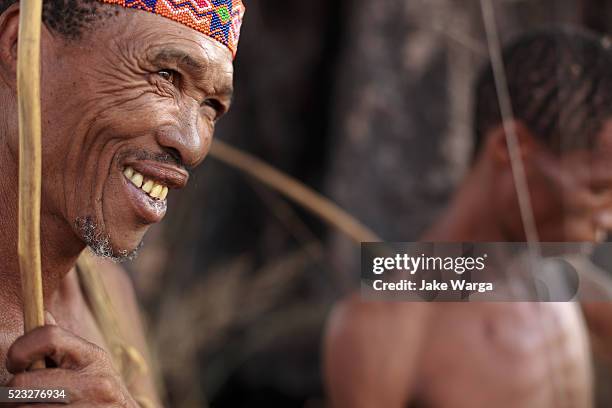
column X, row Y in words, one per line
column 9, row 30
column 497, row 143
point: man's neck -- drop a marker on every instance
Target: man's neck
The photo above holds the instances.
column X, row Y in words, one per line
column 59, row 246
column 470, row 217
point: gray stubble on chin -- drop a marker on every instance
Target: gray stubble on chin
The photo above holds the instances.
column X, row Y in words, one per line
column 99, row 241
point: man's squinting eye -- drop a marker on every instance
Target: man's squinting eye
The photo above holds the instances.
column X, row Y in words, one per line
column 216, row 105
column 169, row 75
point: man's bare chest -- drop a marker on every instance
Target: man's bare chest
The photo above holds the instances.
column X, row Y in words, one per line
column 510, row 355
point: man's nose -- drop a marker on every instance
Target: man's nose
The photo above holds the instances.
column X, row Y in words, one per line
column 190, row 140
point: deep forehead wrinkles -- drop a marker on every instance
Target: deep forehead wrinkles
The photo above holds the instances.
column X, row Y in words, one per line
column 145, row 34
column 134, row 43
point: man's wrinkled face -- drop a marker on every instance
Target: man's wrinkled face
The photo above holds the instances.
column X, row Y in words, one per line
column 127, row 110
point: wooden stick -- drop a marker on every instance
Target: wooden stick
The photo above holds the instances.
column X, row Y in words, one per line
column 30, row 162
column 294, row 190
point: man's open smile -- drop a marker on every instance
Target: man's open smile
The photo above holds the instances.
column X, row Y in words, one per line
column 154, row 189
column 148, row 183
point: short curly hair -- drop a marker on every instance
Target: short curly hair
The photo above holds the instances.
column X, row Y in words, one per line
column 560, row 83
column 70, row 17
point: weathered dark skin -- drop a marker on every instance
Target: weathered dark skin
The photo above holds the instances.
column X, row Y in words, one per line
column 485, row 354
column 109, row 100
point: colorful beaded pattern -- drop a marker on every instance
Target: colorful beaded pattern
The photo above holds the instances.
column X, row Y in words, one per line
column 218, row 19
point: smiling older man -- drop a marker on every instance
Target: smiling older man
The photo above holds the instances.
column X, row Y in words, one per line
column 131, row 93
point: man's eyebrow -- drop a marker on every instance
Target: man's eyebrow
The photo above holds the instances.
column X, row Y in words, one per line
column 179, row 56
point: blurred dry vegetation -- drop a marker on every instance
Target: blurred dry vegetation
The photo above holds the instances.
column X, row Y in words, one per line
column 367, row 101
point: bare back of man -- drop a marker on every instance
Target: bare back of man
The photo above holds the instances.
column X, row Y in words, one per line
column 457, row 355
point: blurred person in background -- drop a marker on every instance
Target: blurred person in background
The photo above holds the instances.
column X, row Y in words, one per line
column 500, row 354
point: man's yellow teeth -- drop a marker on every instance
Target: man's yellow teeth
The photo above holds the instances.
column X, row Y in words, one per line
column 148, row 186
column 153, row 189
column 156, row 191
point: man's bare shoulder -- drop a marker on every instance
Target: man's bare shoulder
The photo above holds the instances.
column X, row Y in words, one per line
column 371, row 350
column 353, row 318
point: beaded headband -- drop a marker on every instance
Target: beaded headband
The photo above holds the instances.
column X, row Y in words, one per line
column 218, row 19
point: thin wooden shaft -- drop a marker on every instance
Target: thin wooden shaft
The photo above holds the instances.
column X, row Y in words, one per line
column 294, row 190
column 30, row 161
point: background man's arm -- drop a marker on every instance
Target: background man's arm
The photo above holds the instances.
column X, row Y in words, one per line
column 371, row 353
